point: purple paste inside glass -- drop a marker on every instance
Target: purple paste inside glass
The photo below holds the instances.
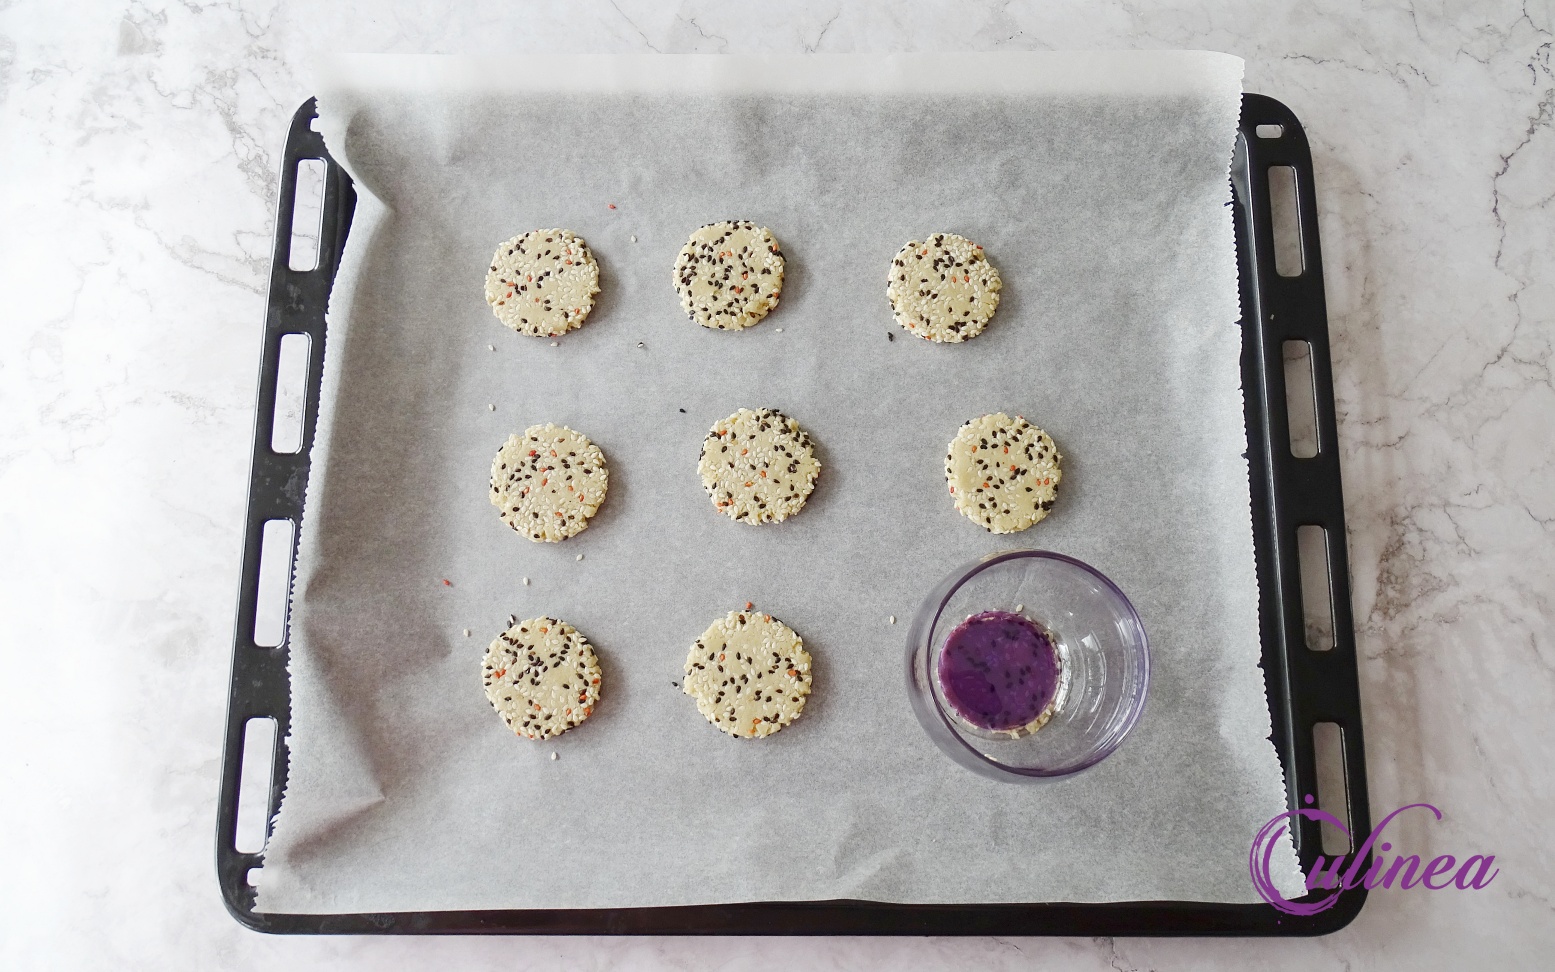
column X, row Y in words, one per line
column 999, row 670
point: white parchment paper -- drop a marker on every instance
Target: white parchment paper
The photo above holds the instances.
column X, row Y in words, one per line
column 1096, row 183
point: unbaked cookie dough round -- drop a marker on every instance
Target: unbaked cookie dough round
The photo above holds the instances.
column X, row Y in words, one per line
column 729, row 275
column 547, row 482
column 758, row 466
column 542, row 677
column 1003, row 472
column 749, row 674
column 543, row 282
column 943, row 288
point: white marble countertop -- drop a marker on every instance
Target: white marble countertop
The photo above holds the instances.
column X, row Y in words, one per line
column 139, row 146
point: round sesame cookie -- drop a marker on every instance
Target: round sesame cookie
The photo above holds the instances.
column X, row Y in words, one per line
column 729, row 275
column 758, row 466
column 547, row 482
column 542, row 677
column 543, row 282
column 1002, row 472
column 749, row 674
column 943, row 288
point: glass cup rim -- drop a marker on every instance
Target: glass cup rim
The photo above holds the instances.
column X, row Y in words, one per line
column 958, row 579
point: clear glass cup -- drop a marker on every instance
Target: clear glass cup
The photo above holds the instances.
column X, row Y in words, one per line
column 1104, row 660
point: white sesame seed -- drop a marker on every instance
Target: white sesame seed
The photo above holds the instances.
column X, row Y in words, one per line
column 780, row 330
column 555, row 345
column 634, row 239
column 580, row 556
column 641, row 345
column 893, row 619
column 1019, row 608
column 554, row 756
column 466, row 632
column 526, row 582
column 491, row 408
column 491, row 347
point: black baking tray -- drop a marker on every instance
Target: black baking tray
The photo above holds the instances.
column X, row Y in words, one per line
column 1305, row 687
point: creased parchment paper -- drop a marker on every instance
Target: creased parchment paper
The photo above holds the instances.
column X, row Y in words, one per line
column 1098, row 186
